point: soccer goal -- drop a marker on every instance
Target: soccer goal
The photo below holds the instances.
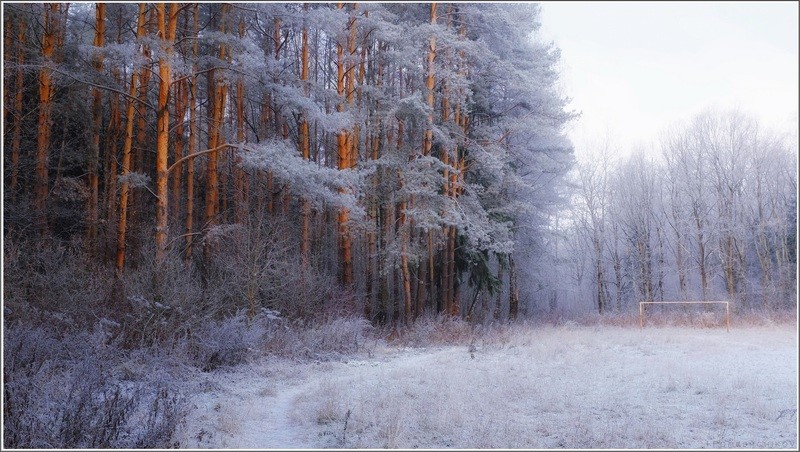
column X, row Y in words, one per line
column 727, row 309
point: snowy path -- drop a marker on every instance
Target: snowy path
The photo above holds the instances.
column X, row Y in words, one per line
column 246, row 408
column 265, row 422
column 252, row 407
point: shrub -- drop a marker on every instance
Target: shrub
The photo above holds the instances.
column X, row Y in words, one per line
column 229, row 341
column 438, row 330
column 60, row 392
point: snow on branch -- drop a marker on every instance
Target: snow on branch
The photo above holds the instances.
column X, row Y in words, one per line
column 320, row 185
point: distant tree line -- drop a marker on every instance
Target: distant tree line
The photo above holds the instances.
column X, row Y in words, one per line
column 712, row 216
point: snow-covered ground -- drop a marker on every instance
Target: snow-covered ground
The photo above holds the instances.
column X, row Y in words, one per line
column 545, row 387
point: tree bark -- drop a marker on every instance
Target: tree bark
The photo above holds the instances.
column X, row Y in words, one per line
column 42, row 184
column 167, row 22
column 343, row 146
column 240, row 207
column 126, row 154
column 304, row 143
column 19, row 90
column 97, row 125
column 192, row 139
column 218, row 109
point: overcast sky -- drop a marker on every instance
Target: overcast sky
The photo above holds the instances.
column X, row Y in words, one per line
column 633, row 68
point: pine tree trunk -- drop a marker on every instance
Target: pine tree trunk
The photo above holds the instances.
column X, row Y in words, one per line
column 126, row 154
column 343, row 147
column 167, row 23
column 111, row 163
column 42, row 184
column 304, row 144
column 193, row 139
column 240, row 207
column 19, row 90
column 178, row 151
column 97, row 124
column 218, row 108
column 141, row 160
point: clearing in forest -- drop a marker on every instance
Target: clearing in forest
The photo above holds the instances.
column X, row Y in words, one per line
column 545, row 387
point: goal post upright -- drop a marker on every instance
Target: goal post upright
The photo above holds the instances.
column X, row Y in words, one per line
column 726, row 303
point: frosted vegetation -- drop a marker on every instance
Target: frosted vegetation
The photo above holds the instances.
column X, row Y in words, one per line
column 278, row 225
column 567, row 386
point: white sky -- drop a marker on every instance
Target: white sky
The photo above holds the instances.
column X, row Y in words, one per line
column 633, row 68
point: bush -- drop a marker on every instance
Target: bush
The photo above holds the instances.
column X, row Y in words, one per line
column 438, row 330
column 60, row 391
column 228, row 342
column 47, row 282
column 320, row 340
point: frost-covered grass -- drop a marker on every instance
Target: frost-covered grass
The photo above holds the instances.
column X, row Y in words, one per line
column 568, row 386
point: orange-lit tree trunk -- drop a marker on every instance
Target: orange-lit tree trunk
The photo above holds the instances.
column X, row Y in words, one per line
column 350, row 76
column 218, row 92
column 429, row 83
column 181, row 95
column 97, row 124
column 45, row 106
column 451, row 303
column 427, row 272
column 344, row 162
column 446, row 277
column 305, row 149
column 167, row 23
column 126, row 154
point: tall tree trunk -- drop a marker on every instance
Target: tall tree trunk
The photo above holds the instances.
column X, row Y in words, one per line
column 179, row 108
column 97, row 125
column 167, row 22
column 404, row 237
column 240, row 182
column 178, row 149
column 141, row 159
column 193, row 137
column 42, row 184
column 429, row 83
column 343, row 146
column 19, row 90
column 111, row 163
column 126, row 154
column 218, row 109
column 304, row 142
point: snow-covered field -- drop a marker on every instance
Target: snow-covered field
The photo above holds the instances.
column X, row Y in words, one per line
column 545, row 387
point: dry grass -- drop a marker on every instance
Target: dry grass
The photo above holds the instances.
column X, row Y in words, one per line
column 567, row 386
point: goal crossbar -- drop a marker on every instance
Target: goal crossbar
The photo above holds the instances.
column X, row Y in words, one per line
column 727, row 309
